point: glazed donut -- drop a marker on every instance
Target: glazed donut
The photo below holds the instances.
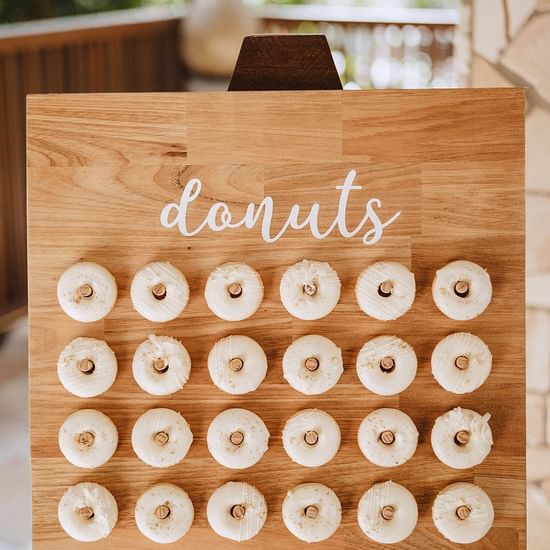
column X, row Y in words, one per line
column 386, row 365
column 88, row 438
column 164, row 513
column 461, row 362
column 387, row 513
column 86, row 292
column 310, row 289
column 161, row 437
column 312, row 512
column 385, row 290
column 159, row 292
column 462, row 290
column 387, row 437
column 311, row 437
column 87, row 367
column 312, row 364
column 463, row 513
column 234, row 291
column 237, row 438
column 462, row 438
column 236, row 511
column 87, row 512
column 161, row 365
column 237, row 364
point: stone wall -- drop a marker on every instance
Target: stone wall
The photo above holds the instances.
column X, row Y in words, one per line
column 507, row 43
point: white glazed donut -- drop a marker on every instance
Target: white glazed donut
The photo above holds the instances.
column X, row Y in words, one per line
column 387, row 513
column 159, row 292
column 311, row 437
column 462, row 438
column 462, row 290
column 237, row 364
column 161, row 437
column 236, row 511
column 312, row 364
column 88, row 438
column 86, row 292
column 385, row 290
column 233, row 291
column 164, row 513
column 87, row 512
column 463, row 513
column 312, row 512
column 310, row 289
column 386, row 365
column 87, row 367
column 237, row 438
column 161, row 365
column 461, row 362
column 387, row 437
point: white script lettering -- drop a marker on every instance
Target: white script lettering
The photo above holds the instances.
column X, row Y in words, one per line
column 220, row 217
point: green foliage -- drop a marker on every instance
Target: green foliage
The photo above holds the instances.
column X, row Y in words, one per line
column 12, row 11
column 27, row 10
column 378, row 3
column 433, row 3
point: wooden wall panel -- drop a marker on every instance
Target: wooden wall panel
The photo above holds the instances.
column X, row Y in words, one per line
column 108, row 57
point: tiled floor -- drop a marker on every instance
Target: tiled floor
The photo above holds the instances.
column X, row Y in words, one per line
column 15, row 511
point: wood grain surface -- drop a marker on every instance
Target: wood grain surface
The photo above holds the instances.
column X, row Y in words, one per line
column 100, row 170
column 107, row 52
column 285, row 62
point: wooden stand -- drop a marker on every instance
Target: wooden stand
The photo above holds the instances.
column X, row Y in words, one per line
column 101, row 168
column 285, row 62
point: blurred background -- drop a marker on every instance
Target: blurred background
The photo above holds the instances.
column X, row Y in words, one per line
column 171, row 45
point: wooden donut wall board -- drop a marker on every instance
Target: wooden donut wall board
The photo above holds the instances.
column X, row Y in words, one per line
column 101, row 169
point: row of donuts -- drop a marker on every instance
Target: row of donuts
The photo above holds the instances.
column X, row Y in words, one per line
column 309, row 290
column 312, row 364
column 238, row 438
column 387, row 512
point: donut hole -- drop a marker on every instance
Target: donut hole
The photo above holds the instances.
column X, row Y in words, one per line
column 86, row 439
column 387, row 512
column 387, row 437
column 86, row 513
column 463, row 512
column 86, row 366
column 387, row 364
column 85, row 291
column 160, row 365
column 236, row 364
column 462, row 438
column 237, row 438
column 311, row 437
column 235, row 290
column 238, row 511
column 311, row 511
column 159, row 291
column 310, row 289
column 462, row 362
column 462, row 289
column 162, row 511
column 385, row 289
column 311, row 364
column 161, row 438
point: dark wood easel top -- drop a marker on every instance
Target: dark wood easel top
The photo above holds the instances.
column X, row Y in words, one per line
column 285, row 62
